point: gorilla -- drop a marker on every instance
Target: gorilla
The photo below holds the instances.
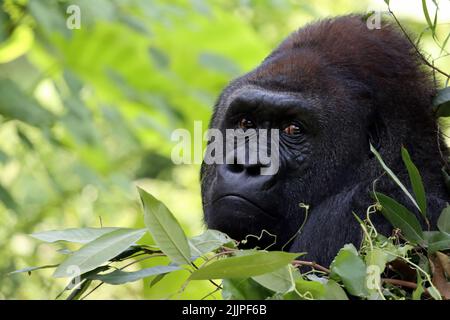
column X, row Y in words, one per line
column 332, row 89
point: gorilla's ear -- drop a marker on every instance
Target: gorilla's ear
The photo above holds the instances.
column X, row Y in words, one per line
column 374, row 133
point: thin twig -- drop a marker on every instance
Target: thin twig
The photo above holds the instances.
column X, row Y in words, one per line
column 415, row 48
column 310, row 264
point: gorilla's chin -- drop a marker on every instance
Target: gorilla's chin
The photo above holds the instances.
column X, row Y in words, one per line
column 241, row 219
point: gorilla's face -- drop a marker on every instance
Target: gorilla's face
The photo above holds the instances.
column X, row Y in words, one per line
column 294, row 94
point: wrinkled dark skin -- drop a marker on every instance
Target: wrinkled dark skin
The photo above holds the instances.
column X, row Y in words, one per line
column 347, row 86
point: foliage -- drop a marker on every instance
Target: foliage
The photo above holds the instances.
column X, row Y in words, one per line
column 376, row 271
column 86, row 114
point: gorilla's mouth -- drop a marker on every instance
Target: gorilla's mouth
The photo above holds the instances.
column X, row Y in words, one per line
column 238, row 205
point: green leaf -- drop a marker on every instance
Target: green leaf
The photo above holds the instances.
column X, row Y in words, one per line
column 393, row 176
column 77, row 235
column 78, row 292
column 416, row 183
column 400, row 217
column 8, row 199
column 30, row 269
column 417, row 293
column 443, row 222
column 208, row 241
column 427, row 17
column 333, row 291
column 120, row 277
column 310, row 289
column 254, row 264
column 167, row 233
column 280, row 281
column 349, row 267
column 437, row 241
column 378, row 257
column 99, row 251
column 16, row 104
column 244, row 289
column 441, row 103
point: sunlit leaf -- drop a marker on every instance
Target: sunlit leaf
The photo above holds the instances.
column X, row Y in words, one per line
column 98, row 251
column 77, row 235
column 165, row 229
column 253, row 264
column 30, row 269
column 280, row 281
column 208, row 241
column 349, row 267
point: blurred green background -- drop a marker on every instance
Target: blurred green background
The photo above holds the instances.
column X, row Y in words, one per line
column 87, row 114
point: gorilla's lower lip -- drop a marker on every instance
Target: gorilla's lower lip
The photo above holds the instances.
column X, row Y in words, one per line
column 243, row 199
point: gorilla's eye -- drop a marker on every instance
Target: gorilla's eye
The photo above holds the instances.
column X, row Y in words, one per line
column 245, row 123
column 292, row 129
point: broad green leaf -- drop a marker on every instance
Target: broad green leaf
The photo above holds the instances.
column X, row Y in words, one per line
column 30, row 269
column 416, row 183
column 99, row 251
column 167, row 233
column 254, row 264
column 434, row 293
column 310, row 289
column 121, row 277
column 77, row 235
column 393, row 176
column 349, row 267
column 378, row 257
column 441, row 103
column 16, row 104
column 443, row 222
column 400, row 217
column 437, row 241
column 333, row 291
column 280, row 281
column 244, row 289
column 208, row 241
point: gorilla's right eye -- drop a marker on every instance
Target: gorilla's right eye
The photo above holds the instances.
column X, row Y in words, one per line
column 245, row 123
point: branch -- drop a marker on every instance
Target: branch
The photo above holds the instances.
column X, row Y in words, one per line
column 313, row 265
column 432, row 66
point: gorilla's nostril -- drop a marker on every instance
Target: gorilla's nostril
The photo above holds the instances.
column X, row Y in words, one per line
column 235, row 167
column 253, row 170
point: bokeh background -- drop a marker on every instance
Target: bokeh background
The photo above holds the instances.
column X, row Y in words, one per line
column 87, row 114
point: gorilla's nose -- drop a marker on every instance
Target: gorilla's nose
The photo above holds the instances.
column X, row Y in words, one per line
column 244, row 176
column 247, row 169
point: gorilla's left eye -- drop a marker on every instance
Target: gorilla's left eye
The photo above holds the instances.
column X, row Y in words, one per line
column 292, row 129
